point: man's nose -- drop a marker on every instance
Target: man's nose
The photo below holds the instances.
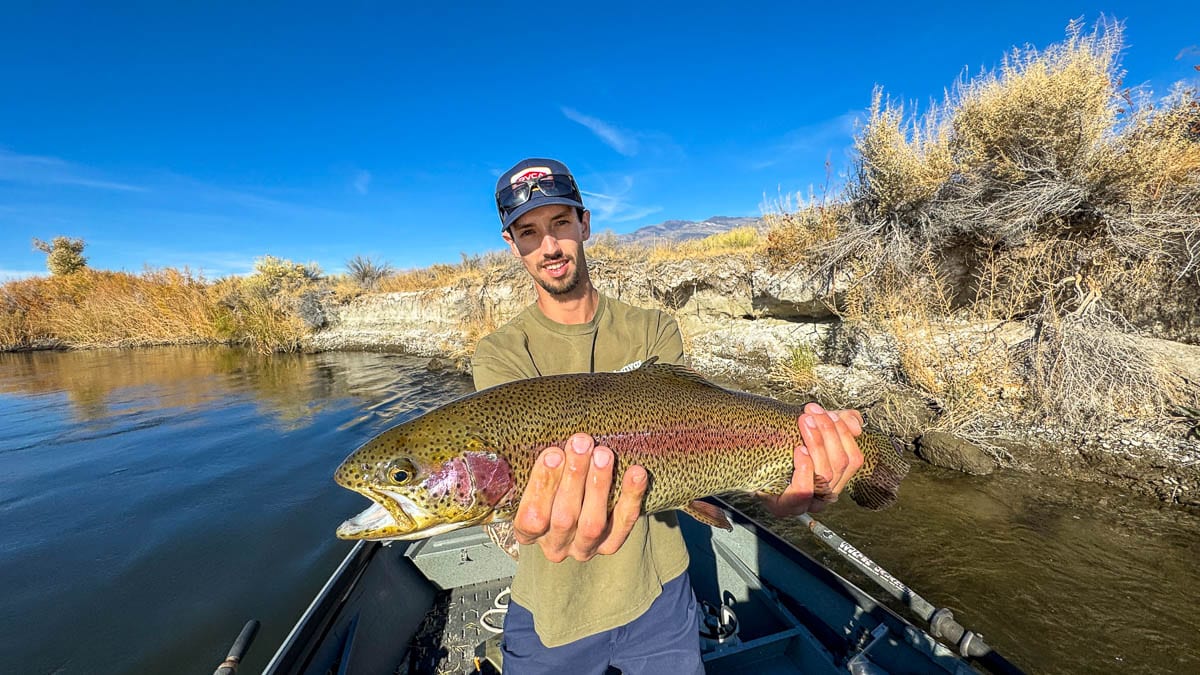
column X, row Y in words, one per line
column 550, row 245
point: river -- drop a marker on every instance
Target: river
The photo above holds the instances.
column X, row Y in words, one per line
column 152, row 501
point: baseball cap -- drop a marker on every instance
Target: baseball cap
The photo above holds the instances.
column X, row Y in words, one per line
column 533, row 183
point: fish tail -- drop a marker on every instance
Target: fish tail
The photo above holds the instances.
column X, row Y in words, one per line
column 875, row 486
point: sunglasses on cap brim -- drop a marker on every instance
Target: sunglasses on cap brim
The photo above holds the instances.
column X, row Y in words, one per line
column 551, row 185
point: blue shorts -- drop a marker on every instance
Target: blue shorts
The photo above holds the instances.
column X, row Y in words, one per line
column 664, row 639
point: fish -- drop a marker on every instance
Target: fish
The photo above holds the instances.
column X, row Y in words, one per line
column 467, row 462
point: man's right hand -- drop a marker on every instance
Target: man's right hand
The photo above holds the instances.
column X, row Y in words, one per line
column 565, row 505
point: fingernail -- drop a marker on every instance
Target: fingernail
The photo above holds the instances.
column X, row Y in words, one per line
column 601, row 459
column 833, row 416
column 804, row 450
column 579, row 444
column 553, row 459
column 819, row 408
column 639, row 477
column 812, row 423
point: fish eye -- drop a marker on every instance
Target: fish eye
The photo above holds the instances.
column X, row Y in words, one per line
column 401, row 471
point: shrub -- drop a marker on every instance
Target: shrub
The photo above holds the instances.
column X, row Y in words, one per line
column 367, row 272
column 63, row 254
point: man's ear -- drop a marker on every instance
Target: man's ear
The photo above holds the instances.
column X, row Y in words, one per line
column 512, row 245
column 587, row 224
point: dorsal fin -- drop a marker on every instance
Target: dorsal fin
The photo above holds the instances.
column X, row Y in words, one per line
column 651, row 366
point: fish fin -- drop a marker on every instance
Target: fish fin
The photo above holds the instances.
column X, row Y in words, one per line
column 884, row 467
column 501, row 533
column 709, row 514
column 652, row 367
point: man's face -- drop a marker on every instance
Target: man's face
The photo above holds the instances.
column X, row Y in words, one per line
column 549, row 240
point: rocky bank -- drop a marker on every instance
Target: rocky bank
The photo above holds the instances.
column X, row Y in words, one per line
column 742, row 325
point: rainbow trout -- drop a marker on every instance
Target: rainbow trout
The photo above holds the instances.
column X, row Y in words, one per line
column 466, row 463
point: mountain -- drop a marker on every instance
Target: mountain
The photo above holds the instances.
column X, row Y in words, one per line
column 683, row 230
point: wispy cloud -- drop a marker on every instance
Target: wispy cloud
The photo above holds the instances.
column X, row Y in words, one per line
column 614, row 204
column 362, row 182
column 37, row 170
column 813, row 141
column 622, row 141
column 1190, row 50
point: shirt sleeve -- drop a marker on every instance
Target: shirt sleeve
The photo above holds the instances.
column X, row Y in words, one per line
column 668, row 344
column 489, row 367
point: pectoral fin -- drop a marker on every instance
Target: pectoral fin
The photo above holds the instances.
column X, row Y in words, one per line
column 501, row 532
column 708, row 514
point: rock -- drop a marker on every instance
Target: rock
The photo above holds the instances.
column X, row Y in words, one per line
column 311, row 309
column 951, row 452
column 791, row 296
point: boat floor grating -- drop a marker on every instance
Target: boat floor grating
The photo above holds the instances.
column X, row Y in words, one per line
column 447, row 639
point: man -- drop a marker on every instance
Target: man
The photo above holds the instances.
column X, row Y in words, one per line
column 593, row 589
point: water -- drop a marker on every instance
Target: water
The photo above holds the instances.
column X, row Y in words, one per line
column 152, row 501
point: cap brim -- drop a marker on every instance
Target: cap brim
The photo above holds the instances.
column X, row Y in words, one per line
column 536, row 203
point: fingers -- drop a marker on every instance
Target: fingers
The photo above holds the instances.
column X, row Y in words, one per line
column 593, row 523
column 829, row 436
column 558, row 541
column 797, row 497
column 854, row 456
column 533, row 515
column 565, row 505
column 629, row 507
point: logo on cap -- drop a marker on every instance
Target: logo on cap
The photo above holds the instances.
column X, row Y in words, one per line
column 531, row 173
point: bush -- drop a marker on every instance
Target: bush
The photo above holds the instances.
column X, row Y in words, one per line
column 367, row 272
column 63, row 255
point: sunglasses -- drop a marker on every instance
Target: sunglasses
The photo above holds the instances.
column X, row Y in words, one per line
column 552, row 185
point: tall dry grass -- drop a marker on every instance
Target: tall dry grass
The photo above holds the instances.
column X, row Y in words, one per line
column 94, row 308
column 1041, row 193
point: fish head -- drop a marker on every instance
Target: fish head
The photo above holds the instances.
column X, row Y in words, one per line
column 421, row 485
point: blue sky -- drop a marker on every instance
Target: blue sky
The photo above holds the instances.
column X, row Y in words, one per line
column 179, row 134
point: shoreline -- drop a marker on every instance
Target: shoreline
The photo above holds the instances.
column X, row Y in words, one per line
column 1134, row 458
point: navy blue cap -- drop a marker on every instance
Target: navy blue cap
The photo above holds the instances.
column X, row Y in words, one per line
column 530, row 169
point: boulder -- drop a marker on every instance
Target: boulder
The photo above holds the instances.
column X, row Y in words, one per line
column 951, row 452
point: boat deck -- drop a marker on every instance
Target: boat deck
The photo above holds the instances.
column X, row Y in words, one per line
column 454, row 632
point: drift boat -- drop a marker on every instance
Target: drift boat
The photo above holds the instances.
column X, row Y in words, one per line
column 436, row 606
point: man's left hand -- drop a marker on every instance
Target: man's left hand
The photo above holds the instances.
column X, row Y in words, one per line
column 823, row 465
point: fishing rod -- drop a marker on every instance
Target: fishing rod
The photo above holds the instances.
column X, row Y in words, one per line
column 942, row 624
column 238, row 651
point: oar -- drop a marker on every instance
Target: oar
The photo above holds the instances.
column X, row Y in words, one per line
column 941, row 621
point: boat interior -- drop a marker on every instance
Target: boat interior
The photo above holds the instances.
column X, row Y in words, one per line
column 436, row 606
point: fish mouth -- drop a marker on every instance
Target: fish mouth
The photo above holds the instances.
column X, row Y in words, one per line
column 385, row 518
column 392, row 516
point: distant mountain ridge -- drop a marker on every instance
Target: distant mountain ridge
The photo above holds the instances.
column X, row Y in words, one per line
column 675, row 231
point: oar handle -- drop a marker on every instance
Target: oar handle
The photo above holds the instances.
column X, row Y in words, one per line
column 240, row 646
column 942, row 624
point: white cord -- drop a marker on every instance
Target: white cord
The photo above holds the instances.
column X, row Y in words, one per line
column 498, row 608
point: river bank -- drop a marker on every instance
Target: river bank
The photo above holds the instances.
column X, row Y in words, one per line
column 775, row 334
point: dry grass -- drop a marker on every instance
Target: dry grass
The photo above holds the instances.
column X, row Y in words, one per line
column 91, row 308
column 739, row 240
column 95, row 308
column 1085, row 370
column 1031, row 193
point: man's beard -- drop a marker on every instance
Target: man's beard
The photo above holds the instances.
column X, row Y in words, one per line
column 564, row 285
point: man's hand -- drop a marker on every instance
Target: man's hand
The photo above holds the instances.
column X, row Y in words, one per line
column 565, row 505
column 823, row 465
